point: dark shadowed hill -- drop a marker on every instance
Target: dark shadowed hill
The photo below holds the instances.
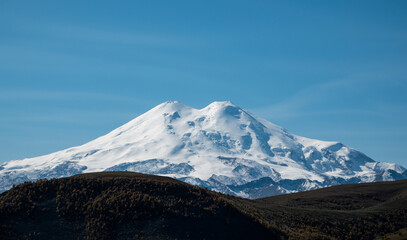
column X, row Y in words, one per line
column 351, row 211
column 125, row 205
column 122, row 205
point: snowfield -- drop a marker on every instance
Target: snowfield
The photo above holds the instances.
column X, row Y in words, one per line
column 221, row 147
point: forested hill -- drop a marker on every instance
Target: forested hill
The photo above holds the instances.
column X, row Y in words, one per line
column 350, row 211
column 126, row 205
column 123, row 205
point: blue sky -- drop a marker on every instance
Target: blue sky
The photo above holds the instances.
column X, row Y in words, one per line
column 71, row 71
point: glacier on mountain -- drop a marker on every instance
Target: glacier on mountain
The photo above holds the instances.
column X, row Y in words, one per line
column 221, row 147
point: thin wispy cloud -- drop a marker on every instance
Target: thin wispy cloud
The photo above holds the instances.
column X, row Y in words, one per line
column 325, row 99
column 67, row 107
column 94, row 34
column 350, row 133
column 56, row 95
column 99, row 34
column 65, row 116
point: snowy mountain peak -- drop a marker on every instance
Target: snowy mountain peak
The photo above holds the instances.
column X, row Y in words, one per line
column 223, row 109
column 220, row 106
column 169, row 106
column 221, row 147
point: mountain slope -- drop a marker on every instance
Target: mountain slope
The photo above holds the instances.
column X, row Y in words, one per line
column 127, row 205
column 221, row 147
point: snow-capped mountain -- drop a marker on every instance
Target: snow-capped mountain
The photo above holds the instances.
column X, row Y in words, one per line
column 221, row 147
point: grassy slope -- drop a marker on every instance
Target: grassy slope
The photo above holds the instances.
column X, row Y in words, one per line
column 354, row 211
column 126, row 205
